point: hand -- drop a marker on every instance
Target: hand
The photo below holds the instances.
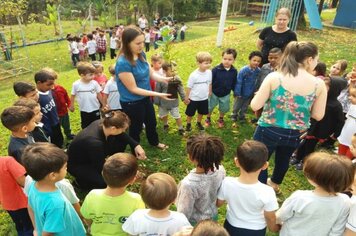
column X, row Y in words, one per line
column 140, row 153
column 71, row 108
column 105, row 108
column 186, row 101
column 167, row 79
column 185, row 231
column 165, row 96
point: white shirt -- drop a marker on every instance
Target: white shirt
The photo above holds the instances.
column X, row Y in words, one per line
column 349, row 127
column 74, row 47
column 351, row 221
column 113, row 94
column 81, row 46
column 147, row 38
column 246, row 203
column 140, row 223
column 183, row 28
column 91, row 45
column 199, row 83
column 142, row 22
column 113, row 42
column 305, row 213
column 86, row 95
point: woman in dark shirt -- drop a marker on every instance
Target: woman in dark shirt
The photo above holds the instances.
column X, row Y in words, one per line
column 90, row 148
column 276, row 36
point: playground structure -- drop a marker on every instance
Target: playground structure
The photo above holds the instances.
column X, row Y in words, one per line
column 346, row 14
column 14, row 60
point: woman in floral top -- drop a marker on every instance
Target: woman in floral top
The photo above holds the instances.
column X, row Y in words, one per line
column 289, row 97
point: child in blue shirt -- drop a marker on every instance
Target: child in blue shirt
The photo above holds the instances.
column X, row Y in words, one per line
column 245, row 86
column 50, row 212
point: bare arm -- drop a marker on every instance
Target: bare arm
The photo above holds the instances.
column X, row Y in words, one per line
column 318, row 108
column 158, row 78
column 210, row 90
column 72, row 99
column 348, row 232
column 259, row 44
column 21, row 181
column 270, row 217
column 105, row 100
column 32, row 217
column 262, row 95
column 47, row 234
column 219, row 202
column 186, row 100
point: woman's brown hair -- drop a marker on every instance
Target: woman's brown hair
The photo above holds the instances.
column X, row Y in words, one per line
column 117, row 119
column 129, row 34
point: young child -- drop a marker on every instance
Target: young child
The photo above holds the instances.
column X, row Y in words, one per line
column 344, row 95
column 44, row 82
column 99, row 76
column 273, row 62
column 156, row 65
column 198, row 191
column 320, row 70
column 350, row 125
column 91, row 46
column 87, row 91
column 251, row 204
column 114, row 202
column 74, row 50
column 246, row 86
column 350, row 229
column 20, row 121
column 170, row 106
column 111, row 95
column 113, row 45
column 223, row 82
column 12, row 197
column 147, row 40
column 158, row 192
column 199, row 90
column 50, row 211
column 324, row 210
column 81, row 48
column 101, row 45
column 38, row 134
column 338, row 69
column 182, row 31
column 26, row 90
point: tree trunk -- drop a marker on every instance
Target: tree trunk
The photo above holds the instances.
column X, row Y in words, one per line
column 321, row 4
column 302, row 23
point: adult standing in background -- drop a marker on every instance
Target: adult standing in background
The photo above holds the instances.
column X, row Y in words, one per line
column 157, row 20
column 277, row 35
column 142, row 22
column 134, row 73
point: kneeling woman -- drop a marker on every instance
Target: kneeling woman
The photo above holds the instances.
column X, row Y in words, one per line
column 90, row 148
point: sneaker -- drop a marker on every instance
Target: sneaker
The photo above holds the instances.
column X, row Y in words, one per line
column 181, row 132
column 207, row 122
column 200, row 127
column 165, row 127
column 299, row 166
column 189, row 127
column 294, row 161
column 221, row 123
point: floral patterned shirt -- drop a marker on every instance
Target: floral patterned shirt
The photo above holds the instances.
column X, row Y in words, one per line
column 287, row 110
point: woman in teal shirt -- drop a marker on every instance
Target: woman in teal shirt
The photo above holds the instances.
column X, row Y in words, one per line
column 134, row 73
column 289, row 97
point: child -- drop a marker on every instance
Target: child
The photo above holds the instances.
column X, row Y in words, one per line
column 81, row 48
column 111, row 95
column 87, row 91
column 350, row 125
column 26, row 90
column 114, row 202
column 223, row 82
column 147, row 40
column 338, row 69
column 198, row 191
column 38, row 134
column 50, row 211
column 12, row 197
column 199, row 90
column 182, row 31
column 344, row 95
column 74, row 50
column 246, row 86
column 101, row 45
column 20, row 121
column 91, row 46
column 251, row 204
column 98, row 74
column 158, row 192
column 113, row 45
column 44, row 82
column 156, row 65
column 320, row 70
column 350, row 229
column 322, row 211
column 170, row 106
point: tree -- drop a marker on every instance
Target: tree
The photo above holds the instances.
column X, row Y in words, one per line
column 12, row 8
column 320, row 7
column 52, row 17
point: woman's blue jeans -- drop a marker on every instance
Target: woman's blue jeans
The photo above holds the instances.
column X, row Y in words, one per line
column 282, row 142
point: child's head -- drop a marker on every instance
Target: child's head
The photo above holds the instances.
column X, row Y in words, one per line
column 273, row 56
column 44, row 79
column 120, row 170
column 45, row 160
column 255, row 59
column 34, row 106
column 86, row 70
column 204, row 60
column 353, row 146
column 331, row 172
column 205, row 151
column 209, row 228
column 159, row 191
column 156, row 61
column 251, row 156
column 320, row 69
column 338, row 69
column 90, row 36
column 112, row 70
column 18, row 119
column 77, row 39
column 168, row 69
column 228, row 57
column 26, row 90
column 115, row 122
column 99, row 68
column 352, row 94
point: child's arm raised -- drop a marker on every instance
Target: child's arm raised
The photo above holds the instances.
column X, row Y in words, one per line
column 271, row 221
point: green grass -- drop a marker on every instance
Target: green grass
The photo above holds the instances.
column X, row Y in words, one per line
column 334, row 44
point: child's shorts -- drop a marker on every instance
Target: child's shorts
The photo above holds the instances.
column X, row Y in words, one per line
column 223, row 102
column 200, row 106
column 162, row 112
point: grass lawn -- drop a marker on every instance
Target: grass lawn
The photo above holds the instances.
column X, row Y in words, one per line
column 334, row 44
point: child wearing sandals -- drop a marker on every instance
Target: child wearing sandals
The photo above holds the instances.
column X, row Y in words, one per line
column 324, row 210
column 197, row 192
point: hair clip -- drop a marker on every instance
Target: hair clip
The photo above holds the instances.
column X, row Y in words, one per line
column 109, row 114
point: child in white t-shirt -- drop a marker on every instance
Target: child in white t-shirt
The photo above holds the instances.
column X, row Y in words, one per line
column 199, row 90
column 324, row 210
column 198, row 191
column 87, row 91
column 147, row 39
column 251, row 204
column 91, row 46
column 111, row 97
column 113, row 45
column 158, row 192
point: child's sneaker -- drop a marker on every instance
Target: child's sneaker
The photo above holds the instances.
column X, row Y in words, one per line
column 299, row 166
column 189, row 127
column 200, row 127
column 166, row 127
column 293, row 161
column 221, row 123
column 181, row 132
column 207, row 122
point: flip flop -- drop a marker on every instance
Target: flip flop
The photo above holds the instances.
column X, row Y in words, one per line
column 162, row 146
